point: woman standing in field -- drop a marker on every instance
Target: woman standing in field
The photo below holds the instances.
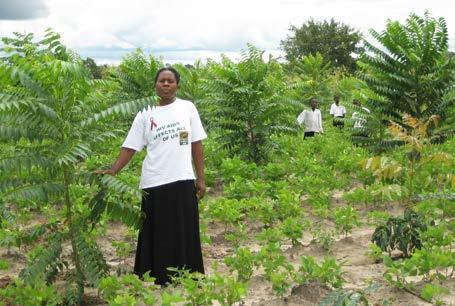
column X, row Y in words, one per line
column 172, row 133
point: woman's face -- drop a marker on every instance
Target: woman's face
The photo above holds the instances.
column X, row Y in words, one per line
column 166, row 85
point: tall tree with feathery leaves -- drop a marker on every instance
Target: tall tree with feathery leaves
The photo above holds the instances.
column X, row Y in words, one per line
column 410, row 70
column 53, row 115
column 248, row 101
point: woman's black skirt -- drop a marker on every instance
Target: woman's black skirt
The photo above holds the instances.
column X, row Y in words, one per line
column 169, row 236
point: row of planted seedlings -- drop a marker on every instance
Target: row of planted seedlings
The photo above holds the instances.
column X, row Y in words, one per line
column 265, row 200
column 425, row 229
column 416, row 246
column 263, row 211
column 265, row 203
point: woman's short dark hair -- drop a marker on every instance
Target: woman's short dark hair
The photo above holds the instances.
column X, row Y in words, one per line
column 176, row 74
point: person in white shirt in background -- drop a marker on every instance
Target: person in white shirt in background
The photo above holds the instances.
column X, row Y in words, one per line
column 312, row 119
column 359, row 119
column 338, row 112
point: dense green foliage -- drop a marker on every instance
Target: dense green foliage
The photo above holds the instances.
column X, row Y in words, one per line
column 51, row 111
column 409, row 70
column 336, row 41
column 400, row 233
column 248, row 103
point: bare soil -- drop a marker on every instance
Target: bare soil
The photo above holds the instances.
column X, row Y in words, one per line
column 359, row 270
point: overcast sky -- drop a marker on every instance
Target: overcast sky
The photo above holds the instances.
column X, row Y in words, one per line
column 183, row 31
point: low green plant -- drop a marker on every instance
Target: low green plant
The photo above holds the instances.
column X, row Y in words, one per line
column 123, row 249
column 357, row 196
column 400, row 233
column 228, row 211
column 243, row 262
column 438, row 235
column 378, row 217
column 281, row 279
column 287, row 204
column 320, row 202
column 237, row 235
column 324, row 238
column 374, row 252
column 432, row 293
column 128, row 290
column 263, row 211
column 349, row 297
column 231, row 168
column 228, row 290
column 272, row 258
column 198, row 288
column 346, row 218
column 169, row 298
column 292, row 228
column 4, row 264
column 30, row 294
column 431, row 264
column 328, row 272
column 270, row 235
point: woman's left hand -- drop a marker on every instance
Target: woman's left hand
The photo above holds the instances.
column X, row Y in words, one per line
column 200, row 189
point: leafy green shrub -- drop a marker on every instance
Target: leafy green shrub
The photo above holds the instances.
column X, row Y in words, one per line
column 378, row 217
column 348, row 297
column 241, row 187
column 374, row 252
column 324, row 238
column 357, row 196
column 400, row 233
column 410, row 69
column 292, row 228
column 33, row 293
column 328, row 272
column 287, row 204
column 236, row 167
column 248, row 102
column 228, row 290
column 431, row 264
column 281, row 279
column 243, row 261
column 228, row 211
column 55, row 115
column 203, row 289
column 431, row 293
column 346, row 218
column 128, row 290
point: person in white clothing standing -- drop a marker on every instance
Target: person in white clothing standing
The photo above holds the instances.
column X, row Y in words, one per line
column 312, row 119
column 172, row 134
column 338, row 112
column 359, row 132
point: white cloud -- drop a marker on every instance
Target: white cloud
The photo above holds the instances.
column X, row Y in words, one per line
column 213, row 26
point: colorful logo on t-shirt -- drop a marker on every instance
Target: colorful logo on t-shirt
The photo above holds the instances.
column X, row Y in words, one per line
column 183, row 136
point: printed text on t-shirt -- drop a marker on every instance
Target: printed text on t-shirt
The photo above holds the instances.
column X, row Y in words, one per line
column 169, row 131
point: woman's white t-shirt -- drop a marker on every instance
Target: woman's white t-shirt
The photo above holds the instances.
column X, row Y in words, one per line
column 167, row 132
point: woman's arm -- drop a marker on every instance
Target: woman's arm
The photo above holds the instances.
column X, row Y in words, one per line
column 124, row 157
column 198, row 158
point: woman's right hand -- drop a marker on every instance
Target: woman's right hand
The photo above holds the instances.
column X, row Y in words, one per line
column 124, row 157
column 105, row 171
